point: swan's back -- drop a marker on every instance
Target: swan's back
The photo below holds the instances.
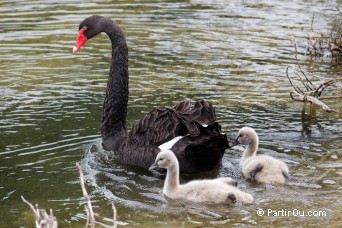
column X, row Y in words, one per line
column 201, row 148
column 164, row 123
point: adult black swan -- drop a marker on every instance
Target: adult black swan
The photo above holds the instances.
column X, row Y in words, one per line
column 191, row 131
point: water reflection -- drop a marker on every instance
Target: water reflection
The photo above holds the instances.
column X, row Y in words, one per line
column 309, row 119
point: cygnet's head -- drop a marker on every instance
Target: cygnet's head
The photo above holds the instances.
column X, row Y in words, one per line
column 165, row 160
column 245, row 136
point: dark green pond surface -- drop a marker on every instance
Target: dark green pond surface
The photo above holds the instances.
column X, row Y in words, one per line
column 231, row 53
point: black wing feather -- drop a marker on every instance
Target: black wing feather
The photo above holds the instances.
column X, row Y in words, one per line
column 163, row 124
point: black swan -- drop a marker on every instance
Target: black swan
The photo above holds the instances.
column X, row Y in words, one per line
column 191, row 131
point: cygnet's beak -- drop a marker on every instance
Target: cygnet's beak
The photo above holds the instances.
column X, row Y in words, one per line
column 154, row 166
column 235, row 143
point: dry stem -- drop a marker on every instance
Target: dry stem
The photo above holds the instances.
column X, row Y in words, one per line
column 89, row 208
column 311, row 92
column 320, row 42
column 47, row 221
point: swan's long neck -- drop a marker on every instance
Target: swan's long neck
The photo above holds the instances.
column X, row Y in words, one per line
column 172, row 180
column 115, row 103
column 251, row 149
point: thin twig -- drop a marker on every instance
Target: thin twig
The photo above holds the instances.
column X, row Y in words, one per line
column 312, row 21
column 313, row 100
column 35, row 211
column 338, row 10
column 300, row 67
column 86, row 196
column 114, row 215
column 88, row 217
column 47, row 221
column 323, row 86
column 288, row 77
column 312, row 93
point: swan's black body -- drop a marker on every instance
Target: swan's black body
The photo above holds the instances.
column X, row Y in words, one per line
column 203, row 144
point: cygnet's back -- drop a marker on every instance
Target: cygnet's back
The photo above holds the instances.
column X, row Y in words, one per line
column 262, row 168
column 265, row 169
column 220, row 190
column 211, row 191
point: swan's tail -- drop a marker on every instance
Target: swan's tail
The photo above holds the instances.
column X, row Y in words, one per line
column 202, row 113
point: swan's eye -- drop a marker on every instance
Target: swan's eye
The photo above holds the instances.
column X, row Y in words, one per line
column 84, row 28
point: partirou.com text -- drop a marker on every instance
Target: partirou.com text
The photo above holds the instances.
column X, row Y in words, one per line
column 291, row 213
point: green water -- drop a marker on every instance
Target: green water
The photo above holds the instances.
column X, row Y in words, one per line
column 232, row 53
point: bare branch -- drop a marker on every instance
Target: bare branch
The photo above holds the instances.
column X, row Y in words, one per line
column 338, row 10
column 312, row 93
column 86, row 196
column 288, row 77
column 48, row 221
column 312, row 21
column 114, row 215
column 313, row 100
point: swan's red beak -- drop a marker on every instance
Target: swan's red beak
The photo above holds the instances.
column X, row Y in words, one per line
column 80, row 40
